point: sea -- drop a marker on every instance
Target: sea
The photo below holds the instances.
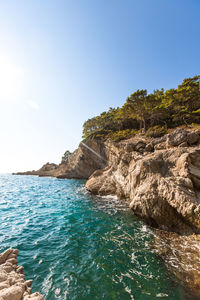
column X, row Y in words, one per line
column 81, row 247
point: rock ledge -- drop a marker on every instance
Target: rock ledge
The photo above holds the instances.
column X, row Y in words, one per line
column 13, row 285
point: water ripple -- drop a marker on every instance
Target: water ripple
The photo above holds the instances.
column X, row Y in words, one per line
column 76, row 246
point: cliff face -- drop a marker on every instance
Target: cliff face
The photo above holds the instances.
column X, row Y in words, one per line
column 83, row 161
column 80, row 165
column 159, row 177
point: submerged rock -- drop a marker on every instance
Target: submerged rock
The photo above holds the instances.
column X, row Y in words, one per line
column 181, row 255
column 13, row 285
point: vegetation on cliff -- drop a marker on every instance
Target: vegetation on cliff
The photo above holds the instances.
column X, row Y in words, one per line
column 151, row 114
column 66, row 156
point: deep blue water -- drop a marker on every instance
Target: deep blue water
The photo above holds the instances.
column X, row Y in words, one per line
column 76, row 246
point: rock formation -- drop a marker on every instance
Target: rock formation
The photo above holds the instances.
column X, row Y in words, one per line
column 161, row 180
column 46, row 170
column 80, row 164
column 159, row 177
column 83, row 161
column 13, row 285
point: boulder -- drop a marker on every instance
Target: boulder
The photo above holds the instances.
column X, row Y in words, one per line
column 192, row 138
column 184, row 144
column 12, row 293
column 177, row 137
column 160, row 146
column 12, row 280
column 149, row 147
column 140, row 146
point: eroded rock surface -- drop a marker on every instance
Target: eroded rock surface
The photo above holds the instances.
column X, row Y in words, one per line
column 13, row 285
column 160, row 178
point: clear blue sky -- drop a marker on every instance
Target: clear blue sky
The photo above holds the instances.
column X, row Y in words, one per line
column 62, row 62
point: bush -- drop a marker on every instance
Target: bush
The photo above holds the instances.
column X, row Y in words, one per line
column 122, row 134
column 156, row 131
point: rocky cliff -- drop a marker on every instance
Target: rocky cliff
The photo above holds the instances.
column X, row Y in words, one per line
column 159, row 177
column 81, row 163
column 13, row 285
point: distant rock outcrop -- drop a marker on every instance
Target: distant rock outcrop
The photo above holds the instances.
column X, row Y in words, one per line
column 13, row 285
column 46, row 170
column 79, row 165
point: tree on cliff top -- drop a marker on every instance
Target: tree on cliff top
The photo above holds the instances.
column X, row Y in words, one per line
column 142, row 111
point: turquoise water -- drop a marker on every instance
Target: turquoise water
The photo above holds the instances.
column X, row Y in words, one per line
column 76, row 246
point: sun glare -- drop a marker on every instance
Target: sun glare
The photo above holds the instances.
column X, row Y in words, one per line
column 11, row 79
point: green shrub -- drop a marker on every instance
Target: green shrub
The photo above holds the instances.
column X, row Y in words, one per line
column 156, row 131
column 122, row 134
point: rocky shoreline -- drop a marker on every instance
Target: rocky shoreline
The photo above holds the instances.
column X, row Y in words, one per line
column 160, row 179
column 13, row 285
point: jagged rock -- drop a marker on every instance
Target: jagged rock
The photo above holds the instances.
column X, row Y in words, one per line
column 149, row 147
column 177, row 137
column 162, row 187
column 140, row 146
column 160, row 146
column 104, row 186
column 35, row 296
column 135, row 145
column 12, row 293
column 192, row 138
column 29, row 282
column 4, row 255
column 129, row 147
column 184, row 144
column 12, row 283
column 159, row 140
column 83, row 161
column 3, row 276
column 4, row 285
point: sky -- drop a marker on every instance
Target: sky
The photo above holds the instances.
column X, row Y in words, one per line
column 62, row 62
